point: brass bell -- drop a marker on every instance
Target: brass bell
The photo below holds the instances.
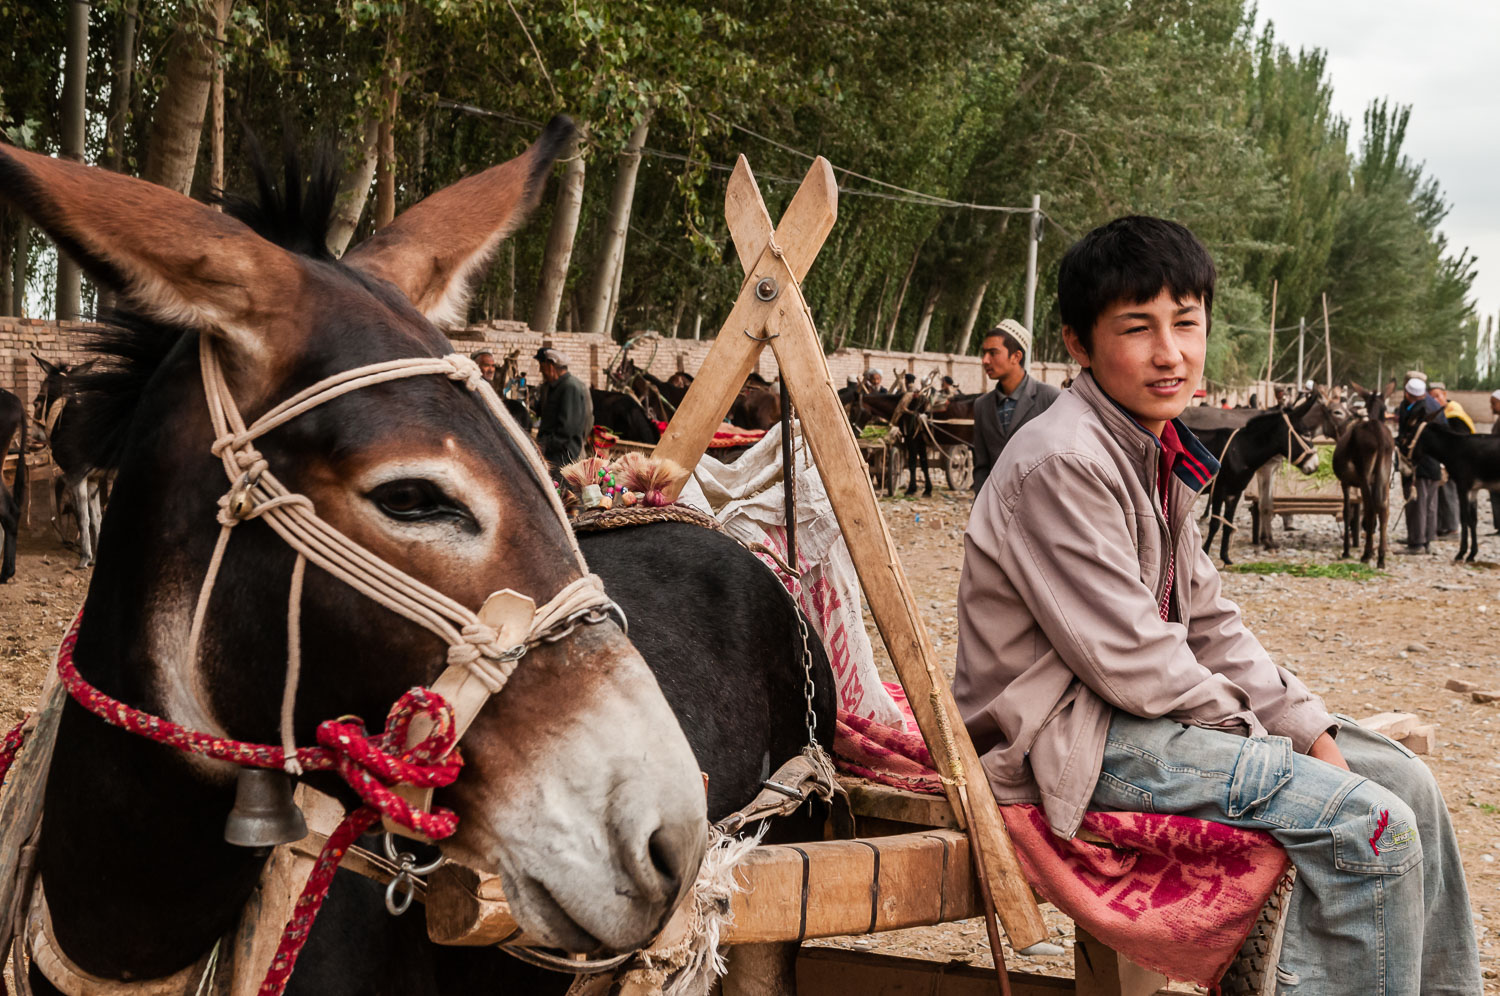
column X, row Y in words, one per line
column 264, row 814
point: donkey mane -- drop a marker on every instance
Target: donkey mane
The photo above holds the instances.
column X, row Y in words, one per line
column 294, row 214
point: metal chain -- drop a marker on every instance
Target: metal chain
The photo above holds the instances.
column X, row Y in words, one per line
column 808, row 688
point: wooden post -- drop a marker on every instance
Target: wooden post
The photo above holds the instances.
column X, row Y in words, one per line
column 771, row 309
column 21, row 804
column 1265, row 398
column 1327, row 346
column 1301, row 350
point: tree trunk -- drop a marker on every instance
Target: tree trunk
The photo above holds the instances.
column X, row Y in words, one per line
column 20, row 262
column 385, row 168
column 924, row 323
column 355, row 189
column 890, row 333
column 879, row 308
column 177, row 122
column 986, row 268
column 120, row 87
column 510, row 281
column 677, row 315
column 606, row 275
column 7, row 252
column 972, row 318
column 216, row 123
column 614, row 295
column 75, row 85
column 549, row 292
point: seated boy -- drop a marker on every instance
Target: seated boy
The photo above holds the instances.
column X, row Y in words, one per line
column 1100, row 667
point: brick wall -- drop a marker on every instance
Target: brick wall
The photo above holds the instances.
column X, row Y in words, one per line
column 588, row 355
column 20, row 337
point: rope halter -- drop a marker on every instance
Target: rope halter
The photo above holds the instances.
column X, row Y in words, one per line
column 484, row 647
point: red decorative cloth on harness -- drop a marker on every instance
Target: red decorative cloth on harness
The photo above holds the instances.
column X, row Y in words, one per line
column 370, row 764
column 1173, row 894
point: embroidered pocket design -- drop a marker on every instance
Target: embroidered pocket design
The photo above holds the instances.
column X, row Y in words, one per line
column 1389, row 837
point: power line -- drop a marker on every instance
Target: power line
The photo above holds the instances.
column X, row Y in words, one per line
column 903, row 195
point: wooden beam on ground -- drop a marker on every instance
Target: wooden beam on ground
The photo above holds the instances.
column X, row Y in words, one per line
column 836, row 972
column 771, row 309
column 1100, row 971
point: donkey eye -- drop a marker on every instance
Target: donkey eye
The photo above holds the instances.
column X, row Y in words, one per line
column 416, row 500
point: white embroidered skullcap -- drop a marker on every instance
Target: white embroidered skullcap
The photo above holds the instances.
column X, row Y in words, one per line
column 1018, row 332
column 1416, row 387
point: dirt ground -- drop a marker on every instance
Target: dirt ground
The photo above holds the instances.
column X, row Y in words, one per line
column 1379, row 645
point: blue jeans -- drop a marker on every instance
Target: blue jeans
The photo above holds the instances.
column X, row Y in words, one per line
column 1380, row 907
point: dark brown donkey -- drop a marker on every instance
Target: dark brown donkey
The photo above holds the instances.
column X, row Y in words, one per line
column 1362, row 462
column 579, row 789
column 12, row 427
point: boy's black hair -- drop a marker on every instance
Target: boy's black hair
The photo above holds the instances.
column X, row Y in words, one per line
column 1131, row 259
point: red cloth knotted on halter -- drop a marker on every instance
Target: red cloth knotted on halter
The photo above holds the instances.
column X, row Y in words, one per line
column 369, row 764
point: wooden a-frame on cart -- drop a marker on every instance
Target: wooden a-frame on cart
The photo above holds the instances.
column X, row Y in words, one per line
column 771, row 311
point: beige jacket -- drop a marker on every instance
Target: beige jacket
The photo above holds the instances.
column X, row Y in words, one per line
column 1058, row 625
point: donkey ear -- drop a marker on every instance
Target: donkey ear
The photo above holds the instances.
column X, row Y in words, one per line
column 47, row 368
column 435, row 248
column 174, row 258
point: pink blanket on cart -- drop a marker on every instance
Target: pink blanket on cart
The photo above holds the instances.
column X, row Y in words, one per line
column 1173, row 894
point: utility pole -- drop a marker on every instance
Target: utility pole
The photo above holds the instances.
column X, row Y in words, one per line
column 1327, row 345
column 1301, row 336
column 1033, row 236
column 75, row 79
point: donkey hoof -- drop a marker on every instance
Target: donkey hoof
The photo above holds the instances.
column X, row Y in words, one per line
column 85, row 562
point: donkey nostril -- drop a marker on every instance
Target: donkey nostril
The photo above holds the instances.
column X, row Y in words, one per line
column 670, row 850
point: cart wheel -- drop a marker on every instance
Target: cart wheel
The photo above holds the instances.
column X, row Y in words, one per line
column 895, row 467
column 1253, row 971
column 958, row 465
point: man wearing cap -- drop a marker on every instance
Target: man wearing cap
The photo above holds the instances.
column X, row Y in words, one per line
column 567, row 412
column 872, row 382
column 1458, row 421
column 1421, row 511
column 1016, row 399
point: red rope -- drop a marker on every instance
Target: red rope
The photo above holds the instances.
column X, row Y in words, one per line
column 369, row 764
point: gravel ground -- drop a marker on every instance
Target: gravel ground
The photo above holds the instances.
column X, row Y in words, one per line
column 1379, row 645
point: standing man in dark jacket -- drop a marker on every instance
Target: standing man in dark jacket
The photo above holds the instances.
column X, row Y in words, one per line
column 1495, row 431
column 1422, row 510
column 1017, row 398
column 567, row 414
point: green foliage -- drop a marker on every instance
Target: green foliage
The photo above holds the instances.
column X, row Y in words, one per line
column 1104, row 107
column 1338, row 571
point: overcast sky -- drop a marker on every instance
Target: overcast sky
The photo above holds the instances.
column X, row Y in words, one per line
column 1439, row 57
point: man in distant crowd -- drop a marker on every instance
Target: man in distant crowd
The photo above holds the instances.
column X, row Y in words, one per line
column 1495, row 431
column 872, row 382
column 1017, row 398
column 1458, row 421
column 567, row 412
column 486, row 361
column 1421, row 511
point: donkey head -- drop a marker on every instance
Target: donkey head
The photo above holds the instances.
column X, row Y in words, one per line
column 579, row 787
column 55, row 384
